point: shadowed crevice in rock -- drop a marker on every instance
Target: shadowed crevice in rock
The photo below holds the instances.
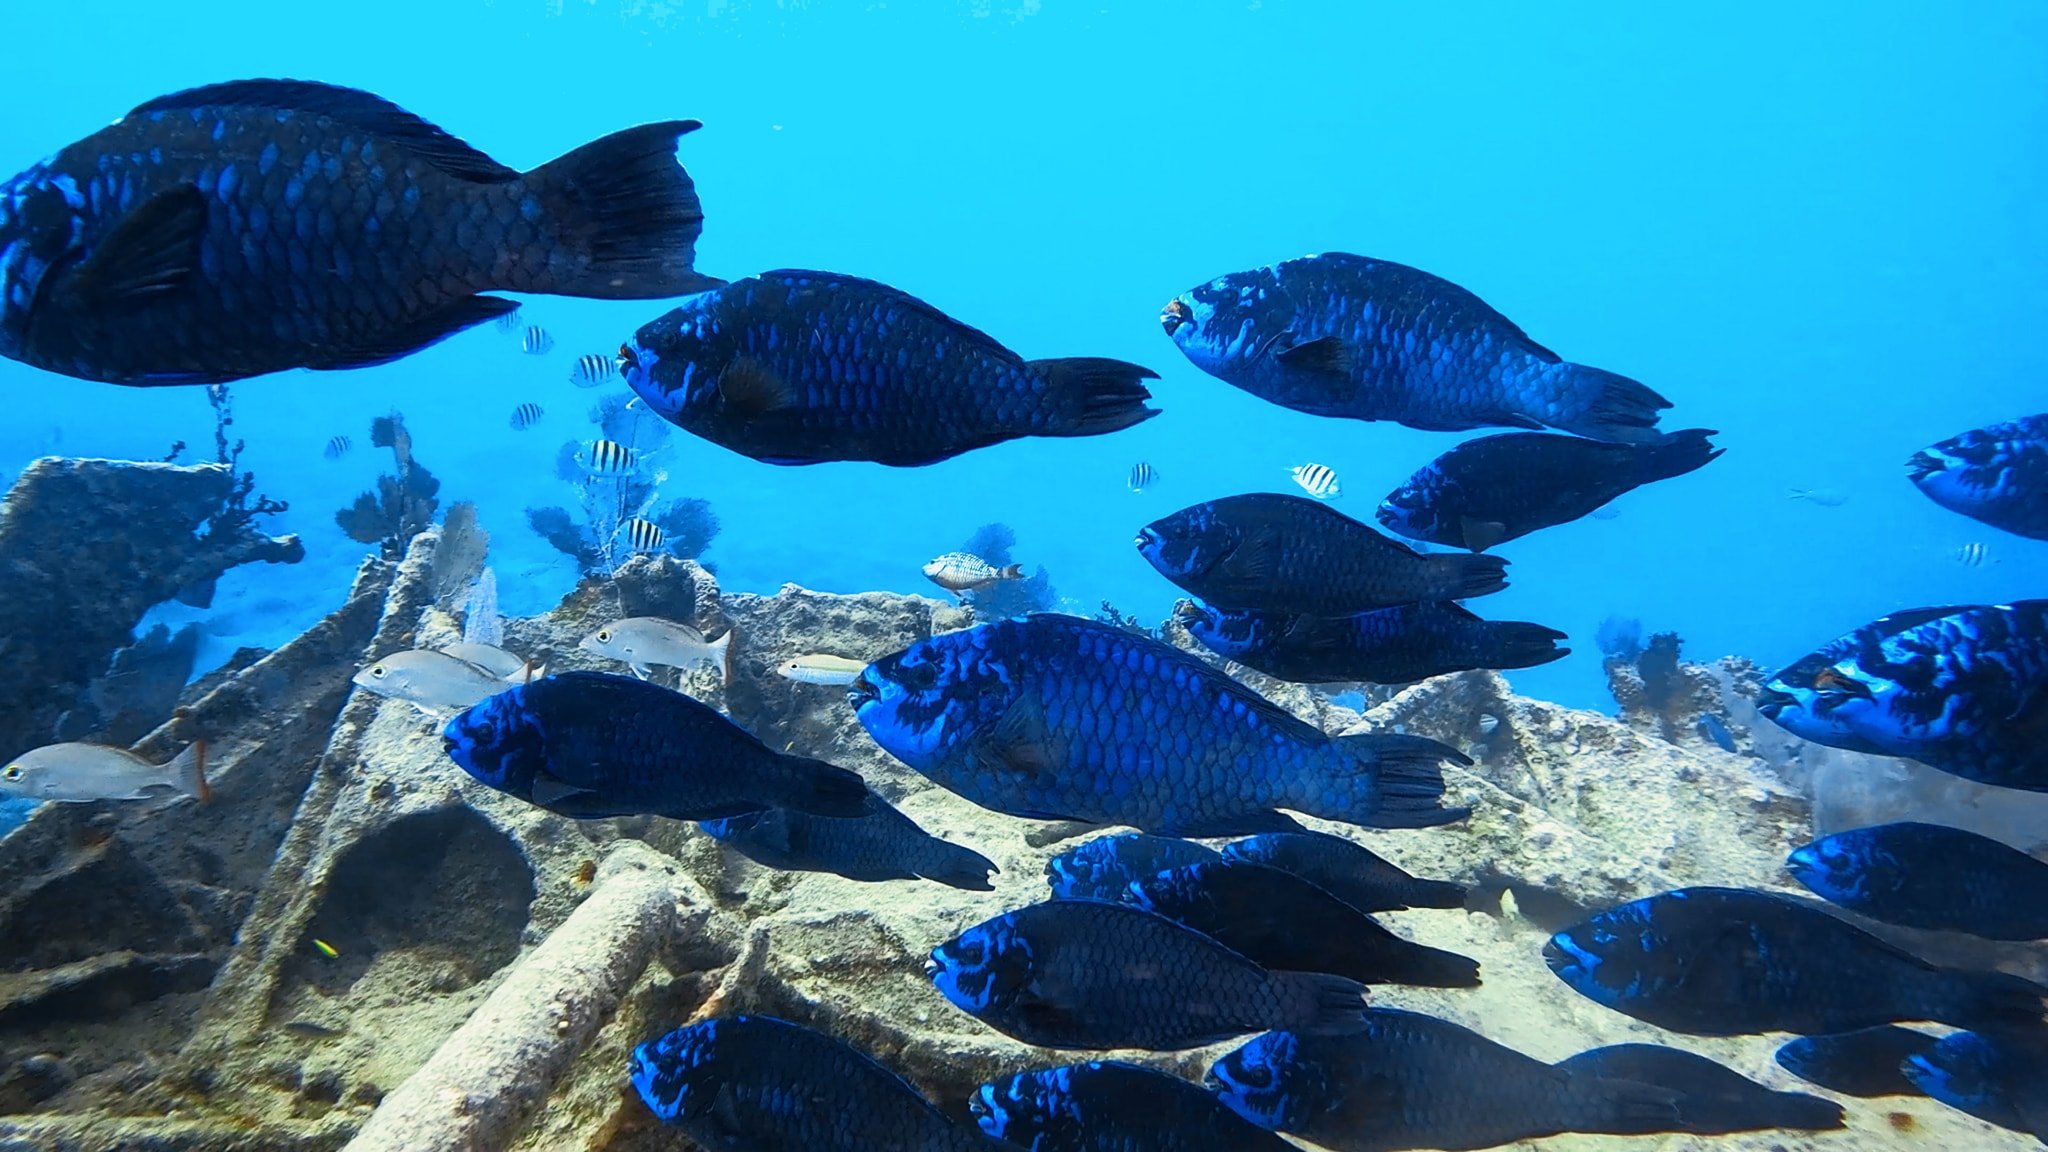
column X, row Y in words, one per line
column 102, row 898
column 443, row 885
column 105, row 986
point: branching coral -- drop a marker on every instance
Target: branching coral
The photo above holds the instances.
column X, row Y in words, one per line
column 609, row 501
column 993, row 543
column 404, row 503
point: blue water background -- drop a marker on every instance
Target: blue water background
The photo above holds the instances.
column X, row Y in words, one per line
column 1818, row 228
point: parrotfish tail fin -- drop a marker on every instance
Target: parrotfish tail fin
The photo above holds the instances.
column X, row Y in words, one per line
column 1316, row 1003
column 821, row 789
column 1383, row 780
column 1988, row 1000
column 1433, row 894
column 1616, row 407
column 1012, row 572
column 1513, row 644
column 623, row 217
column 1473, row 575
column 721, row 648
column 1092, row 395
column 188, row 769
column 1675, row 454
column 954, row 865
column 1619, row 1107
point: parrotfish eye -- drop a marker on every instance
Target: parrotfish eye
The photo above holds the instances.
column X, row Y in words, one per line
column 920, row 677
column 627, row 359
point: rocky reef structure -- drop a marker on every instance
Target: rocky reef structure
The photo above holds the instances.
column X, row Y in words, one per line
column 87, row 547
column 357, row 946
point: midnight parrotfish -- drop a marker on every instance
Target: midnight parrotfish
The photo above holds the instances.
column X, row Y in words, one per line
column 1867, row 1062
column 1964, row 690
column 1092, row 974
column 1497, row 488
column 1996, row 474
column 1929, row 876
column 1052, row 717
column 1732, row 962
column 1713, row 1099
column 885, row 844
column 1103, row 868
column 1347, row 870
column 1267, row 552
column 796, row 367
column 590, row 745
column 1106, row 1106
column 1341, row 335
column 1279, row 920
column 2000, row 1077
column 1414, row 1081
column 758, row 1084
column 1384, row 646
column 259, row 225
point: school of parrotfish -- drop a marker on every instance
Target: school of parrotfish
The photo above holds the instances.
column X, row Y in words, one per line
column 255, row 226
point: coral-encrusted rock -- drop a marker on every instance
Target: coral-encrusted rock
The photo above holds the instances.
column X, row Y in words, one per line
column 88, row 546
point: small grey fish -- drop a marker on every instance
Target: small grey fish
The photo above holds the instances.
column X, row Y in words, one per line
column 337, row 448
column 1317, row 480
column 1716, row 733
column 641, row 642
column 821, row 668
column 498, row 662
column 643, row 535
column 1143, row 476
column 593, row 369
column 433, row 682
column 1974, row 555
column 526, row 416
column 1825, row 497
column 82, row 773
column 536, row 341
column 313, row 1029
column 508, row 322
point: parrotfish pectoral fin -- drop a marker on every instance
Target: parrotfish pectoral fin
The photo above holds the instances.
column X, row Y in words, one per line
column 1325, row 354
column 551, row 790
column 153, row 250
column 1482, row 534
column 1022, row 742
column 748, row 387
column 405, row 339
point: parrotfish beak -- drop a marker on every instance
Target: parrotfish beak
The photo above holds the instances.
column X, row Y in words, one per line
column 1803, row 862
column 1772, row 701
column 1187, row 612
column 863, row 690
column 932, row 967
column 1923, row 464
column 1147, row 540
column 1567, row 959
column 1173, row 316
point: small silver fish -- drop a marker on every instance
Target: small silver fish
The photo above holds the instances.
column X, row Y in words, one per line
column 1974, row 556
column 643, row 535
column 508, row 322
column 1316, row 480
column 536, row 341
column 1143, row 476
column 507, row 666
column 526, row 416
column 593, row 369
column 1825, row 497
column 434, row 682
column 606, row 458
column 337, row 448
column 641, row 642
column 1488, row 725
column 81, row 773
column 822, row 668
column 959, row 572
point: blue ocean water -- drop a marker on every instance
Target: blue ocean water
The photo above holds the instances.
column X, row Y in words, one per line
column 1818, row 229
